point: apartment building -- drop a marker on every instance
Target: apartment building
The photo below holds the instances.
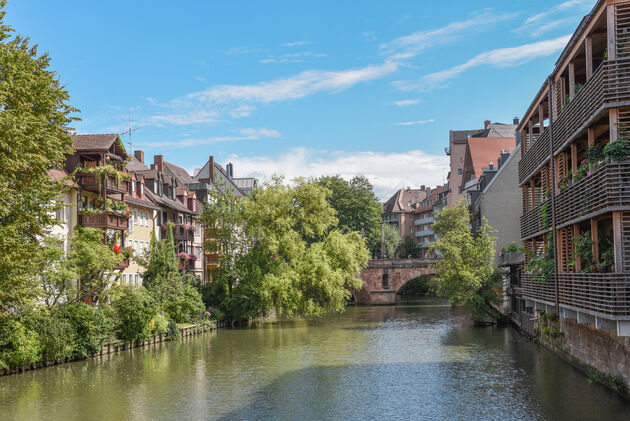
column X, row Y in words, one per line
column 399, row 209
column 425, row 216
column 575, row 181
column 67, row 214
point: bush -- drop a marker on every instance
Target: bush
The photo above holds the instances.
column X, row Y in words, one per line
column 19, row 346
column 160, row 324
column 216, row 314
column 618, row 149
column 135, row 310
column 186, row 306
column 172, row 332
column 91, row 326
column 56, row 334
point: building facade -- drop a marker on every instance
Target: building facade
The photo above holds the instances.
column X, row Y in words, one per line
column 425, row 216
column 399, row 209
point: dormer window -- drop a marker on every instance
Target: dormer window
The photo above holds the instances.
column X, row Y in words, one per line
column 142, row 189
column 133, row 187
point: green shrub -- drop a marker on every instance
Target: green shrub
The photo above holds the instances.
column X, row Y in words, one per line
column 19, row 346
column 186, row 306
column 91, row 326
column 135, row 310
column 160, row 324
column 172, row 332
column 56, row 334
column 216, row 314
column 617, row 149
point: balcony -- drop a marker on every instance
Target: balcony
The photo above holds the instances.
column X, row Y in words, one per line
column 531, row 221
column 423, row 233
column 605, row 294
column 124, row 264
column 423, row 221
column 105, row 220
column 608, row 87
column 180, row 233
column 90, row 182
column 606, row 189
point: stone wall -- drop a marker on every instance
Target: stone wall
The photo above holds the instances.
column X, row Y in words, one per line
column 399, row 272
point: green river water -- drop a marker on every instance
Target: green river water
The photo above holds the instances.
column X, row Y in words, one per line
column 420, row 360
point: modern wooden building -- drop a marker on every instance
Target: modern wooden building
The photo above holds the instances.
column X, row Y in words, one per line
column 576, row 200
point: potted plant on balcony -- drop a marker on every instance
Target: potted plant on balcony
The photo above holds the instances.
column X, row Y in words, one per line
column 594, row 154
column 583, row 245
column 565, row 182
column 616, row 151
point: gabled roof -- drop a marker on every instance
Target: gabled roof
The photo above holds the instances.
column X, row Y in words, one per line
column 93, row 142
column 485, row 150
column 61, row 174
column 180, row 173
column 141, row 202
column 134, row 164
column 495, row 130
column 221, row 181
column 245, row 182
column 165, row 201
column 404, row 200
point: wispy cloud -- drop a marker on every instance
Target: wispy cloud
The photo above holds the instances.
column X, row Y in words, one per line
column 406, row 102
column 501, row 57
column 411, row 45
column 547, row 20
column 414, row 123
column 244, row 134
column 414, row 167
column 242, row 111
column 292, row 58
column 305, row 83
column 186, row 118
column 296, row 43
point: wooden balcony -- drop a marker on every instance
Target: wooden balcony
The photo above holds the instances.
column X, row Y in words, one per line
column 89, row 182
column 531, row 221
column 105, row 220
column 124, row 264
column 606, row 294
column 606, row 189
column 608, row 87
column 182, row 234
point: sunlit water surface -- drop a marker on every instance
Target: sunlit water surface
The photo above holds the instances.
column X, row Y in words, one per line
column 420, row 360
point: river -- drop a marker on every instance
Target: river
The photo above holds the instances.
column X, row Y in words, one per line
column 420, row 360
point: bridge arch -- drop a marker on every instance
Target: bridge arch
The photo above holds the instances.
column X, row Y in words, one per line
column 383, row 278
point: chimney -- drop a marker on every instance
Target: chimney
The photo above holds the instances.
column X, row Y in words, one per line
column 422, row 187
column 158, row 161
column 491, row 166
column 139, row 156
column 211, row 168
column 229, row 170
column 516, row 121
column 486, row 124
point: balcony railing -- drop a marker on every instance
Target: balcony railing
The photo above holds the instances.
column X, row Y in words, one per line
column 423, row 221
column 609, row 86
column 180, row 233
column 124, row 264
column 90, row 182
column 531, row 221
column 607, row 294
column 423, row 233
column 105, row 220
column 607, row 188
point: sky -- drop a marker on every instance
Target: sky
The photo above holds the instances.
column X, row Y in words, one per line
column 298, row 88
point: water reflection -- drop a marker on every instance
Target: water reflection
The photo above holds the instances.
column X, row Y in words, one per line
column 415, row 361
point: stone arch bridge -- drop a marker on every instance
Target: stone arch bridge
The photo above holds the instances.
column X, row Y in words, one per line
column 383, row 278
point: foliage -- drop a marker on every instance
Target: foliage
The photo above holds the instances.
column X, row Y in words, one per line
column 54, row 331
column 544, row 215
column 464, row 272
column 55, row 272
column 542, row 263
column 618, row 149
column 358, row 208
column 19, row 345
column 186, row 305
column 172, row 332
column 594, row 154
column 160, row 264
column 34, row 138
column 565, row 182
column 392, row 240
column 510, row 248
column 91, row 326
column 407, row 248
column 93, row 261
column 160, row 324
column 417, row 286
column 582, row 171
column 595, row 376
column 135, row 311
column 584, row 248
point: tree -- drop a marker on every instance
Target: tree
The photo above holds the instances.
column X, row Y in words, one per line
column 34, row 138
column 358, row 208
column 56, row 273
column 392, row 240
column 466, row 267
column 93, row 261
column 407, row 248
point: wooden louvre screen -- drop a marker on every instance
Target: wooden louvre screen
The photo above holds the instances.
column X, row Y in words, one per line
column 565, row 249
column 623, row 129
column 622, row 29
column 625, row 238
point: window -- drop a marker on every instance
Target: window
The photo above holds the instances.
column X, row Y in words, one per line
column 459, row 190
column 59, row 214
column 133, row 187
column 135, row 217
column 459, row 171
column 410, row 229
column 136, row 279
column 146, row 218
column 385, row 281
column 142, row 189
column 136, row 247
column 124, row 278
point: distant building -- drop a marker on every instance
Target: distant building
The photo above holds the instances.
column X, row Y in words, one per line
column 425, row 216
column 458, row 149
column 246, row 185
column 400, row 208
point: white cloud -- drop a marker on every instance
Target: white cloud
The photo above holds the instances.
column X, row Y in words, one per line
column 186, row 118
column 387, row 171
column 243, row 134
column 414, row 123
column 562, row 6
column 542, row 22
column 296, row 43
column 411, row 45
column 407, row 102
column 501, row 57
column 242, row 111
column 292, row 57
column 305, row 83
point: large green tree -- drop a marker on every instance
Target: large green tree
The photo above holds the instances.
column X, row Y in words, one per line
column 34, row 136
column 392, row 240
column 358, row 208
column 466, row 271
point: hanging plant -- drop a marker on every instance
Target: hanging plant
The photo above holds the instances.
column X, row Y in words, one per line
column 617, row 149
column 583, row 244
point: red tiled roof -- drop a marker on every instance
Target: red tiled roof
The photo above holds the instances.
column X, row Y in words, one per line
column 60, row 174
column 91, row 142
column 486, row 150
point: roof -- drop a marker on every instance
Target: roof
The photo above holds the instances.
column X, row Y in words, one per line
column 433, row 196
column 221, row 180
column 141, row 202
column 504, row 165
column 516, row 259
column 134, row 164
column 180, row 173
column 497, row 130
column 165, row 201
column 405, row 200
column 485, row 150
column 245, row 182
column 92, row 142
column 61, row 174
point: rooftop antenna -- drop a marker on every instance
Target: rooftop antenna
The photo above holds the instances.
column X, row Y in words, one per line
column 129, row 132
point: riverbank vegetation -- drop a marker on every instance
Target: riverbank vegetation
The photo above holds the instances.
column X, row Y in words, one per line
column 466, row 274
column 280, row 250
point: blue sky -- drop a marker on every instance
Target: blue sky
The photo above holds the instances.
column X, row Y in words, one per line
column 300, row 88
